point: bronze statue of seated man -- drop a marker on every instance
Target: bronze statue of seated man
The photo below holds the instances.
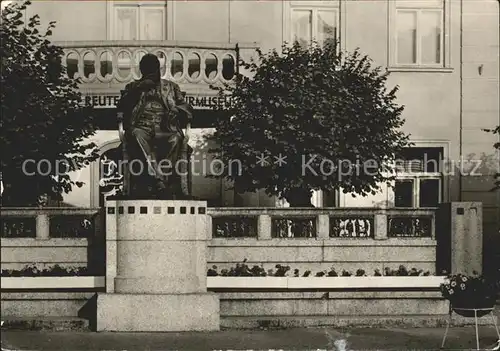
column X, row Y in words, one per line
column 153, row 110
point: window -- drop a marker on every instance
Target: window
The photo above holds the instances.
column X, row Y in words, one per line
column 419, row 37
column 133, row 21
column 419, row 178
column 139, row 20
column 313, row 23
column 419, row 34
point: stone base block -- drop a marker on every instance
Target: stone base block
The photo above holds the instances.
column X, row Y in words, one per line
column 158, row 313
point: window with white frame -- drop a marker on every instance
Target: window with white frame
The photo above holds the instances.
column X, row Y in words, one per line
column 419, row 33
column 318, row 23
column 419, row 178
column 139, row 20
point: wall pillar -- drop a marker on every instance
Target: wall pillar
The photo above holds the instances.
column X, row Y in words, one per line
column 459, row 233
column 264, row 227
column 42, row 227
column 380, row 225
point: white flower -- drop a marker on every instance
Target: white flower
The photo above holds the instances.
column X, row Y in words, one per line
column 462, row 286
column 450, row 291
column 453, row 284
column 464, row 279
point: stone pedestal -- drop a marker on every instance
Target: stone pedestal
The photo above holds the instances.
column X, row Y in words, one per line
column 460, row 237
column 156, row 268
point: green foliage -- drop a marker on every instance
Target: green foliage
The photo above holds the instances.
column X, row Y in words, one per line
column 310, row 103
column 42, row 112
column 497, row 147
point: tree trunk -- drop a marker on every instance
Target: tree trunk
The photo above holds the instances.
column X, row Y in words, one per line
column 299, row 197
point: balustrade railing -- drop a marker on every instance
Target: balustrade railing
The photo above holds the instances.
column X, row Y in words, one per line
column 50, row 222
column 118, row 61
column 258, row 223
column 418, row 226
column 234, row 227
column 354, row 227
column 297, row 227
column 322, row 223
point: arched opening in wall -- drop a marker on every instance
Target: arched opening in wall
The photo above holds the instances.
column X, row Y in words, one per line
column 110, row 174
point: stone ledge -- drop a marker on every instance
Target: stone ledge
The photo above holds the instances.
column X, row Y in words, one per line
column 406, row 321
column 277, row 322
column 45, row 323
column 46, row 296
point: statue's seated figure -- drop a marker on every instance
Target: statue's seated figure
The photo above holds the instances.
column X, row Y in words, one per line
column 151, row 113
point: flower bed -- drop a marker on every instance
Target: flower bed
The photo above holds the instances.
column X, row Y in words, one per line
column 32, row 270
column 55, row 277
column 241, row 277
column 243, row 270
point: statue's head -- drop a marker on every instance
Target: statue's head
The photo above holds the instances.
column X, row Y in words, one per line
column 150, row 64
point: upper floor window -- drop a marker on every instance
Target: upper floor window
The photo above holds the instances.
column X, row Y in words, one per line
column 420, row 37
column 138, row 20
column 314, row 22
column 419, row 33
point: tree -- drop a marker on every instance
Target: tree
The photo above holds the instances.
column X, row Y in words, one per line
column 43, row 119
column 326, row 113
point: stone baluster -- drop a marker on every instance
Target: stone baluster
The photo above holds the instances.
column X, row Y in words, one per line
column 81, row 74
column 264, row 225
column 185, row 64
column 42, row 227
column 218, row 57
column 168, row 64
column 114, row 64
column 203, row 65
column 380, row 225
column 323, row 226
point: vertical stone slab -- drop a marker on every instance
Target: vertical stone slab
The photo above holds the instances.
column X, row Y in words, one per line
column 111, row 219
column 460, row 237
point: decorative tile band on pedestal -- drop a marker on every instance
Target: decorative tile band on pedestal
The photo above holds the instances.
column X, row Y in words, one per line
column 156, row 268
column 156, row 210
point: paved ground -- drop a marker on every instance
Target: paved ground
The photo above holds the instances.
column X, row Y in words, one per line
column 290, row 339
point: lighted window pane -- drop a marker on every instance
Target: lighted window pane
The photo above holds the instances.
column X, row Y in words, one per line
column 407, row 37
column 430, row 31
column 327, row 26
column 302, row 26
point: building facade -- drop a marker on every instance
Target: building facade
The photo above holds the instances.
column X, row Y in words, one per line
column 443, row 54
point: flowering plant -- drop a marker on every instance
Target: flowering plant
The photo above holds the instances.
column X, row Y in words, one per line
column 470, row 291
column 243, row 270
column 33, row 270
